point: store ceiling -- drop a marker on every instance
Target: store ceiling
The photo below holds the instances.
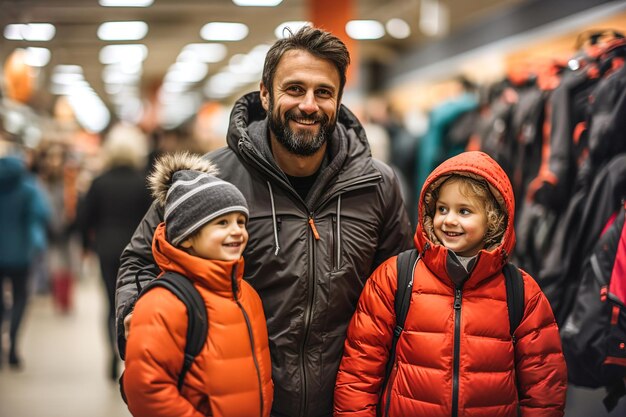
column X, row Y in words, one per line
column 176, row 23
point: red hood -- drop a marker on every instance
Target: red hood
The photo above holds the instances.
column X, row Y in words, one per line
column 208, row 272
column 490, row 260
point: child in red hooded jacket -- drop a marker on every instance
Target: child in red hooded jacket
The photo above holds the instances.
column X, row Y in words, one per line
column 202, row 238
column 455, row 361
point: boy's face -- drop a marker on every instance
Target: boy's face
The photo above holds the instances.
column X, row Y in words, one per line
column 460, row 222
column 223, row 238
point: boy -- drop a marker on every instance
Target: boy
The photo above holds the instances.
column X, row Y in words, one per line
column 202, row 237
column 456, row 356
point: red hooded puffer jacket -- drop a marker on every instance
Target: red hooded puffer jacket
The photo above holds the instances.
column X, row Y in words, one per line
column 454, row 362
column 232, row 374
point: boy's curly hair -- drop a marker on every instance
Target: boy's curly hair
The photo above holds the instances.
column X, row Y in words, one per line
column 471, row 188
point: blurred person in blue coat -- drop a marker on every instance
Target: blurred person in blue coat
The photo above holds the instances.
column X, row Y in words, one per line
column 111, row 210
column 24, row 214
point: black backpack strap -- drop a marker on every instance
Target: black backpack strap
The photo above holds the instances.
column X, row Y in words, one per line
column 198, row 325
column 514, row 296
column 406, row 265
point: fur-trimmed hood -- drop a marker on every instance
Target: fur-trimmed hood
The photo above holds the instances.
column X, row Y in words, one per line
column 160, row 180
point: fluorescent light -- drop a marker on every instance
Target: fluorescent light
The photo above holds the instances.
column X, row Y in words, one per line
column 66, row 78
column 189, row 72
column 37, row 57
column 434, row 18
column 365, row 29
column 398, row 28
column 89, row 109
column 126, row 3
column 37, row 32
column 203, row 52
column 293, row 26
column 259, row 3
column 222, row 84
column 68, row 69
column 224, row 31
column 111, row 74
column 112, row 54
column 122, row 31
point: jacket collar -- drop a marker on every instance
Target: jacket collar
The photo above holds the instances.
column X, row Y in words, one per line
column 349, row 152
column 213, row 274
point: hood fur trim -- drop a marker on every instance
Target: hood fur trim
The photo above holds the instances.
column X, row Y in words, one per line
column 160, row 180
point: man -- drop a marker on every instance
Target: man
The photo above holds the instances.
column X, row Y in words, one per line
column 323, row 215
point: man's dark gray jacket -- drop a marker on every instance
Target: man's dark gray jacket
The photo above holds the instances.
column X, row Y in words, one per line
column 308, row 260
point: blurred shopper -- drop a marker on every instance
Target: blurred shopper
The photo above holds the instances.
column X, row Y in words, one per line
column 24, row 213
column 112, row 209
column 58, row 174
column 201, row 240
column 323, row 215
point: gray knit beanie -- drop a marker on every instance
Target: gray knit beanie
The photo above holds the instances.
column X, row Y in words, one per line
column 192, row 196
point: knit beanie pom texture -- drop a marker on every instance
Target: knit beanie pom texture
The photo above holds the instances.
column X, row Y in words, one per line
column 185, row 184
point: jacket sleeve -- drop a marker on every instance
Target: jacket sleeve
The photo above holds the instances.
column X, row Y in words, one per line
column 136, row 258
column 155, row 356
column 367, row 345
column 396, row 231
column 540, row 365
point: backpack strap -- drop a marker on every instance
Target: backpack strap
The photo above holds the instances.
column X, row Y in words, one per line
column 406, row 265
column 514, row 296
column 198, row 325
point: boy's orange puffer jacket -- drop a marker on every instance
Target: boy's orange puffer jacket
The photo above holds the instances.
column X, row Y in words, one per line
column 231, row 376
column 454, row 361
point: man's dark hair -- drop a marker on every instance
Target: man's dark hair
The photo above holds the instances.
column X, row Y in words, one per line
column 315, row 41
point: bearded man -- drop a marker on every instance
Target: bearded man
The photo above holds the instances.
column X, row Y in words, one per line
column 323, row 216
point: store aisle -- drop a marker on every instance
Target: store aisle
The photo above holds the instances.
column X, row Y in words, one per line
column 65, row 366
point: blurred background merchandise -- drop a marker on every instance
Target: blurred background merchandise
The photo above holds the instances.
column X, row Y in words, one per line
column 539, row 85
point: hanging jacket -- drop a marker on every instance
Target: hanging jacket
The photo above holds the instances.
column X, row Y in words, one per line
column 455, row 356
column 231, row 377
column 577, row 233
column 308, row 260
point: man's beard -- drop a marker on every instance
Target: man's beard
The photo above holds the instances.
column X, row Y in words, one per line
column 300, row 143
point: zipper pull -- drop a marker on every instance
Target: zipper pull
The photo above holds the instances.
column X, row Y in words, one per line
column 314, row 229
column 457, row 300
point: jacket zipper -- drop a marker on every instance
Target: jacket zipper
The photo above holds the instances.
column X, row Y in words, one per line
column 250, row 336
column 334, row 236
column 392, row 379
column 457, row 348
column 307, row 313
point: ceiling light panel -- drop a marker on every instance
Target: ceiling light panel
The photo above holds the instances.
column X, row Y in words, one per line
column 122, row 31
column 258, row 3
column 37, row 57
column 112, row 54
column 203, row 52
column 126, row 3
column 35, row 32
column 398, row 28
column 295, row 25
column 224, row 31
column 365, row 29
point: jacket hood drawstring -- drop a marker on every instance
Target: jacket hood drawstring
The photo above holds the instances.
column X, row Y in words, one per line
column 274, row 224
